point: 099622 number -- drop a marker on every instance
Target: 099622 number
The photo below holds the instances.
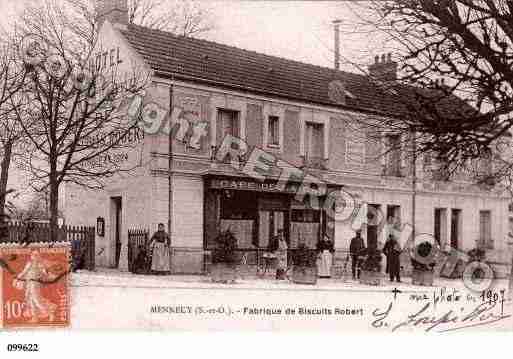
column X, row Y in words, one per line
column 22, row 347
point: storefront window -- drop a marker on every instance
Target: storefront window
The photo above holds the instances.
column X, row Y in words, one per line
column 306, row 216
column 238, row 205
column 238, row 214
column 305, row 227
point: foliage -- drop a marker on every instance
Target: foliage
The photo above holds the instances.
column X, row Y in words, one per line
column 372, row 260
column 72, row 113
column 423, row 250
column 476, row 254
column 225, row 250
column 469, row 45
column 181, row 17
column 304, row 256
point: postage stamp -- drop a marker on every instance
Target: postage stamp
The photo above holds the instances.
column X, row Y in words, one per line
column 34, row 286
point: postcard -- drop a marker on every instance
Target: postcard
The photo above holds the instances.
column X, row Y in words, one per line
column 256, row 166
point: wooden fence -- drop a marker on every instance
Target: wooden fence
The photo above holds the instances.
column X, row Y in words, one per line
column 138, row 241
column 81, row 239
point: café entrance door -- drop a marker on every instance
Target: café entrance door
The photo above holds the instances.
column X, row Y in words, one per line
column 273, row 215
column 269, row 222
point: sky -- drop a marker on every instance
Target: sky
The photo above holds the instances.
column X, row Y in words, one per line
column 297, row 30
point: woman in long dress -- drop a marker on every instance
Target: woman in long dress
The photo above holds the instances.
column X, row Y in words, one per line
column 33, row 276
column 325, row 259
column 281, row 255
column 160, row 244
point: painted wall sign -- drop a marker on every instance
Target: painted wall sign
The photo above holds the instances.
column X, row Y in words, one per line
column 105, row 59
column 246, row 185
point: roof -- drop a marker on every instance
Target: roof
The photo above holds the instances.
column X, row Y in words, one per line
column 198, row 60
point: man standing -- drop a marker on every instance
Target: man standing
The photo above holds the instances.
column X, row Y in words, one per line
column 355, row 248
column 393, row 251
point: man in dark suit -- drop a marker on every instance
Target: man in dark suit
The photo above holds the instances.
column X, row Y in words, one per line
column 355, row 248
column 392, row 250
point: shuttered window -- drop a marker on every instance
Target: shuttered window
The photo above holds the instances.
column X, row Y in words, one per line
column 273, row 131
column 393, row 162
column 485, row 228
column 314, row 140
column 229, row 121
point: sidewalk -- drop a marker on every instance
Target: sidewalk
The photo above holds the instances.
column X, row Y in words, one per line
column 115, row 278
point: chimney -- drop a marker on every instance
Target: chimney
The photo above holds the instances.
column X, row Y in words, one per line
column 384, row 69
column 336, row 26
column 116, row 11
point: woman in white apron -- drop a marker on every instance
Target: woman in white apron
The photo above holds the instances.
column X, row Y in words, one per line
column 160, row 244
column 325, row 257
column 281, row 255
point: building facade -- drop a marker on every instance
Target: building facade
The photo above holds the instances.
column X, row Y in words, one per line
column 257, row 144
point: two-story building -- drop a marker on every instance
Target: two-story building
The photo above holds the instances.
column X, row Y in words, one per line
column 306, row 119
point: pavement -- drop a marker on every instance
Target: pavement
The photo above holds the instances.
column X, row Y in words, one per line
column 110, row 299
column 115, row 278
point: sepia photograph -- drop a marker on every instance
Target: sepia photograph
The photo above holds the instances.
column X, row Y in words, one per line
column 276, row 166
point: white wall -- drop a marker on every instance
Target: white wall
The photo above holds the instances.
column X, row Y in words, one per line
column 187, row 211
column 426, row 203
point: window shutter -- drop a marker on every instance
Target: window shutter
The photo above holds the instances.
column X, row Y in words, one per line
column 402, row 150
column 383, row 151
column 236, row 124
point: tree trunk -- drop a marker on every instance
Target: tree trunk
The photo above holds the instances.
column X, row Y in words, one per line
column 510, row 287
column 4, row 176
column 54, row 202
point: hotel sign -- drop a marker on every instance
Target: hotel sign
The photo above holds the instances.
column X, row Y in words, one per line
column 247, row 185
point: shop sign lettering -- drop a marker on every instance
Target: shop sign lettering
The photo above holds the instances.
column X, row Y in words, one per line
column 252, row 186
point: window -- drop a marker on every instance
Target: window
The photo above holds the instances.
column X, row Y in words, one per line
column 393, row 155
column 355, row 150
column 314, row 140
column 485, row 229
column 428, row 161
column 394, row 216
column 273, row 131
column 229, row 121
column 238, row 205
column 440, row 230
column 306, row 215
column 485, row 164
column 455, row 228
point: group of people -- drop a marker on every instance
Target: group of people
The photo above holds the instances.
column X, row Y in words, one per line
column 325, row 248
column 391, row 250
column 160, row 254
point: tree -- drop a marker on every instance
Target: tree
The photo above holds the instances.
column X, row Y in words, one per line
column 186, row 18
column 80, row 128
column 11, row 83
column 469, row 44
column 181, row 17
